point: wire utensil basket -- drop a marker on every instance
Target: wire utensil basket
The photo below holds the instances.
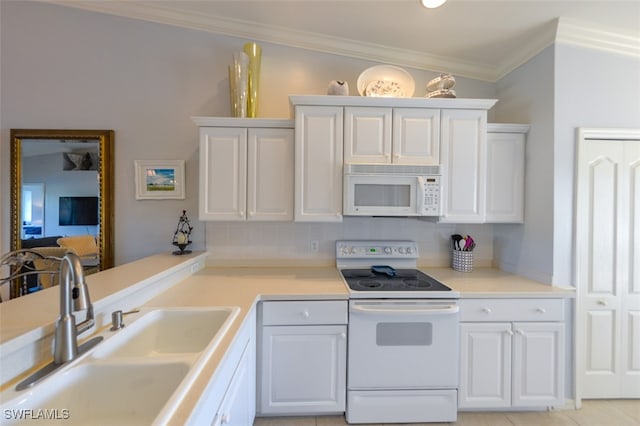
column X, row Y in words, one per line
column 462, row 261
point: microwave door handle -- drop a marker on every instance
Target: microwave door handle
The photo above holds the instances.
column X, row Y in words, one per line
column 423, row 187
column 439, row 310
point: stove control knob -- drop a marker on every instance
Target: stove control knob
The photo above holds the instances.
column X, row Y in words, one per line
column 409, row 250
column 400, row 250
column 387, row 250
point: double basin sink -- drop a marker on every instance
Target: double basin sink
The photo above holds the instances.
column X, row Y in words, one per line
column 137, row 375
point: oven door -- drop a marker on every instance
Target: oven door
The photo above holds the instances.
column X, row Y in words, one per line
column 398, row 344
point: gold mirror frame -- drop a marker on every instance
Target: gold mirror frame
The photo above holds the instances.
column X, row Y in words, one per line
column 105, row 179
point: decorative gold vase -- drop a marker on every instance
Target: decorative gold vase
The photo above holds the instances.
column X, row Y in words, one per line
column 255, row 53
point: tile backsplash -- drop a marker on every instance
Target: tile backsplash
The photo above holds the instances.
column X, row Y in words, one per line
column 313, row 244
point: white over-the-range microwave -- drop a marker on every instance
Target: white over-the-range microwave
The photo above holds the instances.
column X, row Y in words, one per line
column 391, row 190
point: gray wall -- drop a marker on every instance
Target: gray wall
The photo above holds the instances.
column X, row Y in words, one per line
column 67, row 68
column 527, row 97
column 562, row 89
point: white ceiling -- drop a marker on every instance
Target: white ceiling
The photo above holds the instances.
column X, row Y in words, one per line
column 473, row 38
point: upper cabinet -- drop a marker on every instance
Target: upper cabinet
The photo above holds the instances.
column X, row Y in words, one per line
column 318, row 163
column 483, row 178
column 377, row 135
column 281, row 170
column 464, row 139
column 333, row 130
column 246, row 169
column 504, row 201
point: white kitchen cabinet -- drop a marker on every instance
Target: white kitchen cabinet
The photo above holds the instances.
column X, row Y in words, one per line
column 505, row 173
column 230, row 396
column 367, row 135
column 376, row 135
column 485, row 369
column 318, row 163
column 517, row 363
column 303, row 356
column 463, row 154
column 484, row 168
column 246, row 173
column 236, row 407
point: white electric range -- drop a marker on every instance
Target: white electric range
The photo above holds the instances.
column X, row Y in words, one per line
column 403, row 345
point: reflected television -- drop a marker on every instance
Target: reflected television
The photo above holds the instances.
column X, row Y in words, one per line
column 78, row 211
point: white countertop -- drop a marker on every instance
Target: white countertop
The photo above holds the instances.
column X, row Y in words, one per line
column 491, row 282
column 241, row 287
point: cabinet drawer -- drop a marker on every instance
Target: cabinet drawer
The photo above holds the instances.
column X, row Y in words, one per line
column 511, row 309
column 304, row 312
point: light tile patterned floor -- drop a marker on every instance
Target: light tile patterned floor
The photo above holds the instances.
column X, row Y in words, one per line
column 603, row 412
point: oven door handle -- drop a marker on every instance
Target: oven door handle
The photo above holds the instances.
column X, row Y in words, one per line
column 389, row 309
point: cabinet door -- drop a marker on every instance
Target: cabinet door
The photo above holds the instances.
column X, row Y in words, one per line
column 235, row 408
column 223, row 171
column 416, row 136
column 318, row 164
column 505, row 177
column 463, row 153
column 538, row 364
column 303, row 369
column 367, row 135
column 485, row 365
column 270, row 175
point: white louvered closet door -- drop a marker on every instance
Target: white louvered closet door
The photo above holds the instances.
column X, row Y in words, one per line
column 608, row 264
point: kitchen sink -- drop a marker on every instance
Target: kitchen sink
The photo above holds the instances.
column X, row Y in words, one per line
column 136, row 375
column 169, row 331
column 102, row 394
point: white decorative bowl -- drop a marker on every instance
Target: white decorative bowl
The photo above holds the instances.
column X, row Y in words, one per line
column 386, row 80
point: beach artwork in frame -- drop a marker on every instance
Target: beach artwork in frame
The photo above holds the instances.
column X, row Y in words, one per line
column 159, row 179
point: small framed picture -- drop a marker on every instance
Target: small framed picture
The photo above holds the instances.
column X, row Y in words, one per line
column 159, row 179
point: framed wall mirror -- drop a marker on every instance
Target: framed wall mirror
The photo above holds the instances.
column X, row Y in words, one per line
column 62, row 192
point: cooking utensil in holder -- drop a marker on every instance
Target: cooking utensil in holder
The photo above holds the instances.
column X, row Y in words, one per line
column 462, row 261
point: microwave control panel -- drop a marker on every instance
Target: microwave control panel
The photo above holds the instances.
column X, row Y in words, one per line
column 431, row 195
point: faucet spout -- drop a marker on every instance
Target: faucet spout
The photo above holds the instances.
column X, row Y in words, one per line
column 74, row 296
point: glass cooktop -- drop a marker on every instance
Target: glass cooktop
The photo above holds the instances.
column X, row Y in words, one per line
column 391, row 280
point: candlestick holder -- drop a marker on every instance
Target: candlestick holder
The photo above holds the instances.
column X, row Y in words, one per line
column 181, row 236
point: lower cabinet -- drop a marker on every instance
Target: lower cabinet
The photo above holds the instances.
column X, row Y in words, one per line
column 237, row 407
column 519, row 363
column 229, row 398
column 302, row 352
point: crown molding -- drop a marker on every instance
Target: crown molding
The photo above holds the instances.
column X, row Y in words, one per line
column 165, row 13
column 560, row 30
column 582, row 34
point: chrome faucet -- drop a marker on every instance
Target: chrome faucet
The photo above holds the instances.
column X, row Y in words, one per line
column 72, row 299
column 74, row 296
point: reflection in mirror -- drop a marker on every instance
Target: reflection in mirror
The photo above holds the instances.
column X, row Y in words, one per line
column 61, row 194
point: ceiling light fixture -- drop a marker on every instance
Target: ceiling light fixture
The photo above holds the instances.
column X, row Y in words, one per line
column 432, row 4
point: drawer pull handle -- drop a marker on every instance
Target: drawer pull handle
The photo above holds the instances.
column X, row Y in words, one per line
column 520, row 332
column 305, row 314
column 541, row 310
column 486, row 310
column 225, row 419
column 602, row 302
column 509, row 332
